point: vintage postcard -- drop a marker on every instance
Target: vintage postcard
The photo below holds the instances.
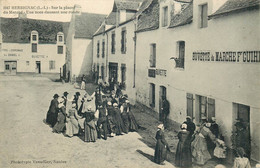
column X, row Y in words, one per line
column 130, row 83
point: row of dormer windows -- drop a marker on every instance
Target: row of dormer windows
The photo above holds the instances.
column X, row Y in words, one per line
column 202, row 17
column 35, row 36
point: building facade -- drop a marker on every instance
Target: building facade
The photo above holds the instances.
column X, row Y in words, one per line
column 203, row 67
column 32, row 46
column 79, row 44
column 114, row 46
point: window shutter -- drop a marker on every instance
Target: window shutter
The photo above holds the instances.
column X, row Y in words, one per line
column 189, row 105
column 151, row 55
column 154, row 55
column 211, row 108
column 121, row 41
column 125, row 40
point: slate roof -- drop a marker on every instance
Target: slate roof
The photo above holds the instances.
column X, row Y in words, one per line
column 182, row 18
column 149, row 18
column 87, row 24
column 17, row 30
column 111, row 19
column 144, row 5
column 236, row 6
column 127, row 5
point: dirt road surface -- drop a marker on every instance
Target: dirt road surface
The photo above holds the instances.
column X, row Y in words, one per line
column 26, row 141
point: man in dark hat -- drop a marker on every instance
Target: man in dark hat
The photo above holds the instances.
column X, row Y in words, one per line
column 65, row 97
column 165, row 111
column 53, row 111
column 190, row 125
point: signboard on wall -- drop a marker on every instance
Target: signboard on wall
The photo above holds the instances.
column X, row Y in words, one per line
column 227, row 56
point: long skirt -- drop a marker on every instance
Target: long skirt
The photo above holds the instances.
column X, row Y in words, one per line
column 183, row 157
column 111, row 124
column 119, row 128
column 51, row 118
column 125, row 121
column 102, row 127
column 199, row 150
column 160, row 153
column 133, row 126
column 59, row 126
column 90, row 132
column 72, row 127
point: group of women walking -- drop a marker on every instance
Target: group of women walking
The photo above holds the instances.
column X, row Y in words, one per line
column 92, row 116
column 193, row 145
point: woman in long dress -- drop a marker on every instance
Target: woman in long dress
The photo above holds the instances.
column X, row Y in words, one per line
column 90, row 132
column 199, row 147
column 161, row 147
column 125, row 118
column 59, row 126
column 133, row 126
column 72, row 125
column 119, row 125
column 53, row 111
column 183, row 157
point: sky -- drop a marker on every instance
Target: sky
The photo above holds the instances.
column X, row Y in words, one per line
column 10, row 8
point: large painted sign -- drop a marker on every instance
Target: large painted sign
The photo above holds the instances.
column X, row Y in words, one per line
column 227, row 56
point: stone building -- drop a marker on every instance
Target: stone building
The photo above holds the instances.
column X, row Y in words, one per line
column 32, row 46
column 204, row 57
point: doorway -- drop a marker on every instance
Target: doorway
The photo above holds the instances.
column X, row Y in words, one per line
column 10, row 67
column 242, row 127
column 162, row 94
column 38, row 67
column 113, row 68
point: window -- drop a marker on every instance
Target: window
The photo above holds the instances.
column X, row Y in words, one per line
column 27, row 63
column 123, row 76
column 51, row 65
column 103, row 72
column 153, row 55
column 34, row 47
column 7, row 67
column 164, row 16
column 60, row 39
column 34, row 37
column 113, row 42
column 152, row 95
column 123, row 41
column 103, row 48
column 60, row 49
column 98, row 49
column 181, row 54
column 203, row 18
column 97, row 70
column 206, row 107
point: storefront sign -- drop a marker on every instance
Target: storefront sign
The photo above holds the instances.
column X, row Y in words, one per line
column 38, row 56
column 161, row 72
column 11, row 52
column 11, row 55
column 153, row 72
column 230, row 56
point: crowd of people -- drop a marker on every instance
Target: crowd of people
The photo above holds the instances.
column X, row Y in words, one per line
column 92, row 117
column 197, row 145
column 107, row 113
